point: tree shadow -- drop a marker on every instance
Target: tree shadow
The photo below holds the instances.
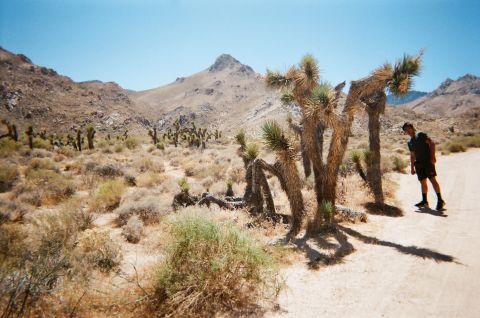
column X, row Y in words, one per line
column 424, row 253
column 386, row 210
column 432, row 212
column 318, row 256
column 321, row 251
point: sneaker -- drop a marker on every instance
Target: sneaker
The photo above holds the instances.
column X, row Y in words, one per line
column 440, row 205
column 422, row 204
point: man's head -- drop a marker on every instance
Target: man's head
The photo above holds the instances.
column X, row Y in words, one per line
column 408, row 129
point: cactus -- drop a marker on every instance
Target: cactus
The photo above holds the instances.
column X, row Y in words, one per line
column 90, row 136
column 153, row 133
column 30, row 135
column 229, row 192
column 79, row 140
column 12, row 130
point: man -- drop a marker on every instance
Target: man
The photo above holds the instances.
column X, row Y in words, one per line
column 422, row 158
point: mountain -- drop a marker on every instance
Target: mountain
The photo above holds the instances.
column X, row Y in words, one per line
column 226, row 95
column 409, row 97
column 451, row 98
column 38, row 96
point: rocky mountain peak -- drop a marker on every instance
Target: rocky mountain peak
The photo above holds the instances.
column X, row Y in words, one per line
column 226, row 61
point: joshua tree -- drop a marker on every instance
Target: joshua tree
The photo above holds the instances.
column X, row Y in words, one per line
column 12, row 130
column 90, row 136
column 153, row 133
column 79, row 140
column 301, row 85
column 398, row 80
column 285, row 170
column 30, row 134
column 257, row 190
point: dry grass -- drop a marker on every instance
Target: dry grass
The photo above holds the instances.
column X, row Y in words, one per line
column 96, row 248
column 133, row 230
column 149, row 205
column 107, row 196
column 44, row 186
column 8, row 147
column 8, row 175
column 212, row 267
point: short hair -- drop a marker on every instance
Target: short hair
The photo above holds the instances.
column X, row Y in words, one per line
column 406, row 125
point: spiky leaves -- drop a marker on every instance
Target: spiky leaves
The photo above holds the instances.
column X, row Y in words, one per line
column 274, row 137
column 251, row 151
column 403, row 71
column 240, row 138
column 276, row 79
column 308, row 74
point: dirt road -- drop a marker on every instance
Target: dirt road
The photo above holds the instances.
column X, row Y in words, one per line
column 420, row 265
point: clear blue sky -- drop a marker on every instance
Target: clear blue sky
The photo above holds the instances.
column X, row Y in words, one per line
column 143, row 44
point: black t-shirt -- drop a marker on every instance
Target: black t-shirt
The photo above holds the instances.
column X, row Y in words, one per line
column 420, row 147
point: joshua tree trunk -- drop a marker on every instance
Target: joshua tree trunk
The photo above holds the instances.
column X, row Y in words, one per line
column 375, row 106
column 286, row 172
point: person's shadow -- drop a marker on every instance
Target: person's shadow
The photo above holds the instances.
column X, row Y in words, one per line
column 432, row 212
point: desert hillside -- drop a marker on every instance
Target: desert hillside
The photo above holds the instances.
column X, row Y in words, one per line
column 38, row 96
column 227, row 94
column 451, row 98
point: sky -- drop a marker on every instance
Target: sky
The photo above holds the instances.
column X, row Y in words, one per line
column 143, row 44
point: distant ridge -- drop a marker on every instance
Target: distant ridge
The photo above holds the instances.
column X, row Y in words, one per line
column 409, row 97
column 451, row 98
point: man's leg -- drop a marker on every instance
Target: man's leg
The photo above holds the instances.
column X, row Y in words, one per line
column 424, row 187
column 436, row 187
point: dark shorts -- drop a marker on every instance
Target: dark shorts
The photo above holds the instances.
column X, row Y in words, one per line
column 425, row 170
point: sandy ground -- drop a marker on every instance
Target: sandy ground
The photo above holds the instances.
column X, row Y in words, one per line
column 424, row 264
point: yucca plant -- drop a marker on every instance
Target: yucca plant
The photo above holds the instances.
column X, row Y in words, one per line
column 90, row 135
column 285, row 170
column 302, row 86
column 30, row 135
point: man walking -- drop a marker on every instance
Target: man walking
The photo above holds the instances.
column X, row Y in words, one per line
column 422, row 158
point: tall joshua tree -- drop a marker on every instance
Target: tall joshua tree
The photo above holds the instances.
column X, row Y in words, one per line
column 398, row 80
column 318, row 100
column 90, row 137
column 285, row 170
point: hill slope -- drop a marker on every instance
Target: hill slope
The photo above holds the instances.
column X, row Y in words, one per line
column 38, row 96
column 451, row 98
column 228, row 94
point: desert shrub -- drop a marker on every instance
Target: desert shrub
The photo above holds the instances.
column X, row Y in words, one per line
column 81, row 217
column 8, row 175
column 327, row 210
column 97, row 248
column 108, row 171
column 107, row 196
column 118, row 148
column 149, row 205
column 41, row 163
column 237, row 174
column 133, row 230
column 11, row 211
column 149, row 164
column 211, row 268
column 43, row 186
column 207, row 182
column 399, row 164
column 150, row 179
column 130, row 180
column 33, row 260
column 66, row 151
column 8, row 147
column 39, row 143
column 40, row 153
column 456, row 147
column 132, row 143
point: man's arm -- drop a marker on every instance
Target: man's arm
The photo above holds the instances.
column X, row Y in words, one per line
column 431, row 145
column 412, row 162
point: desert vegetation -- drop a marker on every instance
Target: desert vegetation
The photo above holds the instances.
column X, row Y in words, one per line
column 190, row 221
